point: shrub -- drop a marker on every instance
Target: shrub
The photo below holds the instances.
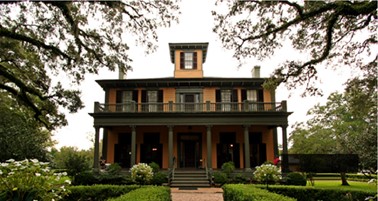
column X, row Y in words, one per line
column 267, row 173
column 31, row 180
column 296, row 179
column 76, row 163
column 302, row 193
column 98, row 192
column 159, row 178
column 155, row 167
column 91, row 178
column 239, row 179
column 114, row 168
column 242, row 192
column 150, row 193
column 220, row 177
column 141, row 173
column 228, row 167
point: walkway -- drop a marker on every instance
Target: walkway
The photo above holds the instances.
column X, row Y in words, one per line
column 201, row 194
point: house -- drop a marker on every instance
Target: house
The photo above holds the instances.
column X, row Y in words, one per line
column 188, row 120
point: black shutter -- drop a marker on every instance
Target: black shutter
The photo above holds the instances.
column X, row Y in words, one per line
column 243, row 94
column 135, row 96
column 218, row 99
column 119, row 97
column 260, row 95
column 144, row 96
column 194, row 60
column 182, row 60
column 160, row 96
column 234, row 96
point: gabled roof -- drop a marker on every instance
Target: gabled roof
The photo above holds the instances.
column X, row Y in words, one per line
column 188, row 46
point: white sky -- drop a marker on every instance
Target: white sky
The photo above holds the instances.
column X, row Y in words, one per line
column 196, row 23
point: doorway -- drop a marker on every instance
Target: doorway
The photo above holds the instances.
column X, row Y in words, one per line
column 189, row 149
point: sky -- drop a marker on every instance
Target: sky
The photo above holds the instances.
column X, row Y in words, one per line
column 196, row 23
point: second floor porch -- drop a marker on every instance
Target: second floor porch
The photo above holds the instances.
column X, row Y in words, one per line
column 207, row 107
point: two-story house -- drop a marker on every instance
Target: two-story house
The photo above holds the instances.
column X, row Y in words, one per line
column 188, row 120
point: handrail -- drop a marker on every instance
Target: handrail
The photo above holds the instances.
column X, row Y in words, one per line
column 246, row 106
column 171, row 174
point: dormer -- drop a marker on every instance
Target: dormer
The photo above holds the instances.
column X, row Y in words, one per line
column 188, row 59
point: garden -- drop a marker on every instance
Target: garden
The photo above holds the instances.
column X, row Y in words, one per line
column 34, row 180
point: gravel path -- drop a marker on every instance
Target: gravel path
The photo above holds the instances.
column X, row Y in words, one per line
column 201, row 194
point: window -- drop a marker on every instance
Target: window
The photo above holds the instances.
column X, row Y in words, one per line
column 126, row 101
column 152, row 100
column 188, row 60
column 253, row 99
column 190, row 102
column 226, row 99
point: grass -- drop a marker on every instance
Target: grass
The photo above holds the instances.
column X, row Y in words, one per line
column 353, row 185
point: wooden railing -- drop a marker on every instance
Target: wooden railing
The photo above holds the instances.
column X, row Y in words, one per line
column 246, row 106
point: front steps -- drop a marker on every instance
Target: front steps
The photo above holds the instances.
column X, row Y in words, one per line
column 190, row 178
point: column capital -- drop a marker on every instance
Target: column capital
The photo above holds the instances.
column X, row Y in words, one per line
column 209, row 126
column 246, row 126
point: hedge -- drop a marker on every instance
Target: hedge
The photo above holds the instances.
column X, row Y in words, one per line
column 149, row 193
column 98, row 192
column 314, row 194
column 242, row 192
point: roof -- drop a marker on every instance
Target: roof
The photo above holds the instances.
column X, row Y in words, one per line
column 188, row 46
column 182, row 82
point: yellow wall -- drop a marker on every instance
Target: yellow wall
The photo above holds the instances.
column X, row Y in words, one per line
column 187, row 73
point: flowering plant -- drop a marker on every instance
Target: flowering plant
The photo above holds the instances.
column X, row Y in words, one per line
column 267, row 173
column 31, row 180
column 141, row 173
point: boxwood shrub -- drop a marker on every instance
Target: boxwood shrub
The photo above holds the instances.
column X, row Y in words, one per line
column 242, row 192
column 296, row 179
column 314, row 194
column 98, row 192
column 148, row 193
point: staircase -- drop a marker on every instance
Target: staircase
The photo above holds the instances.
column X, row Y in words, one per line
column 190, row 178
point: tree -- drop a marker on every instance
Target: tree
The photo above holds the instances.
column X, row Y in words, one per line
column 71, row 159
column 41, row 39
column 346, row 124
column 21, row 136
column 327, row 31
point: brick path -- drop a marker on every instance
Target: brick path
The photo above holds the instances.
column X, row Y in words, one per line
column 201, row 194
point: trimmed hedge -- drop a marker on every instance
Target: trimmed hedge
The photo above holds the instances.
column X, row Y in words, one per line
column 241, row 192
column 97, row 192
column 314, row 194
column 149, row 193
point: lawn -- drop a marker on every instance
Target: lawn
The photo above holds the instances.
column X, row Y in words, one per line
column 353, row 185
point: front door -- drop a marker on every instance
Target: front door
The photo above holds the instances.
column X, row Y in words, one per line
column 189, row 150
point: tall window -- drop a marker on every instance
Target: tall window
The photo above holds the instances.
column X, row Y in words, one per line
column 226, row 100
column 152, row 98
column 126, row 101
column 188, row 60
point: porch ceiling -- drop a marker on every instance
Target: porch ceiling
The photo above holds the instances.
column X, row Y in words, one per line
column 122, row 119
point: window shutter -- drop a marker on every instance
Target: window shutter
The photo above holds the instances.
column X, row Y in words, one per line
column 243, row 94
column 218, row 96
column 182, row 60
column 260, row 95
column 234, row 96
column 135, row 96
column 194, row 60
column 144, row 96
column 160, row 96
column 119, row 97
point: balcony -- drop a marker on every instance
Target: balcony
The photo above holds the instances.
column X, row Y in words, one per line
column 207, row 107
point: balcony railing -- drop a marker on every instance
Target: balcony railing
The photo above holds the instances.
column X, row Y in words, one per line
column 133, row 107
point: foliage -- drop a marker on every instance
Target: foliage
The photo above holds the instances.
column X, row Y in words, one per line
column 141, row 173
column 228, row 167
column 72, row 160
column 31, row 180
column 114, row 168
column 155, row 167
column 220, row 178
column 159, row 178
column 241, row 192
column 314, row 194
column 267, row 173
column 345, row 124
column 98, row 192
column 149, row 193
column 20, row 135
column 341, row 33
column 296, row 179
column 42, row 39
column 91, row 178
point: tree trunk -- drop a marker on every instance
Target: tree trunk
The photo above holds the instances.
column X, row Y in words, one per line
column 344, row 181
